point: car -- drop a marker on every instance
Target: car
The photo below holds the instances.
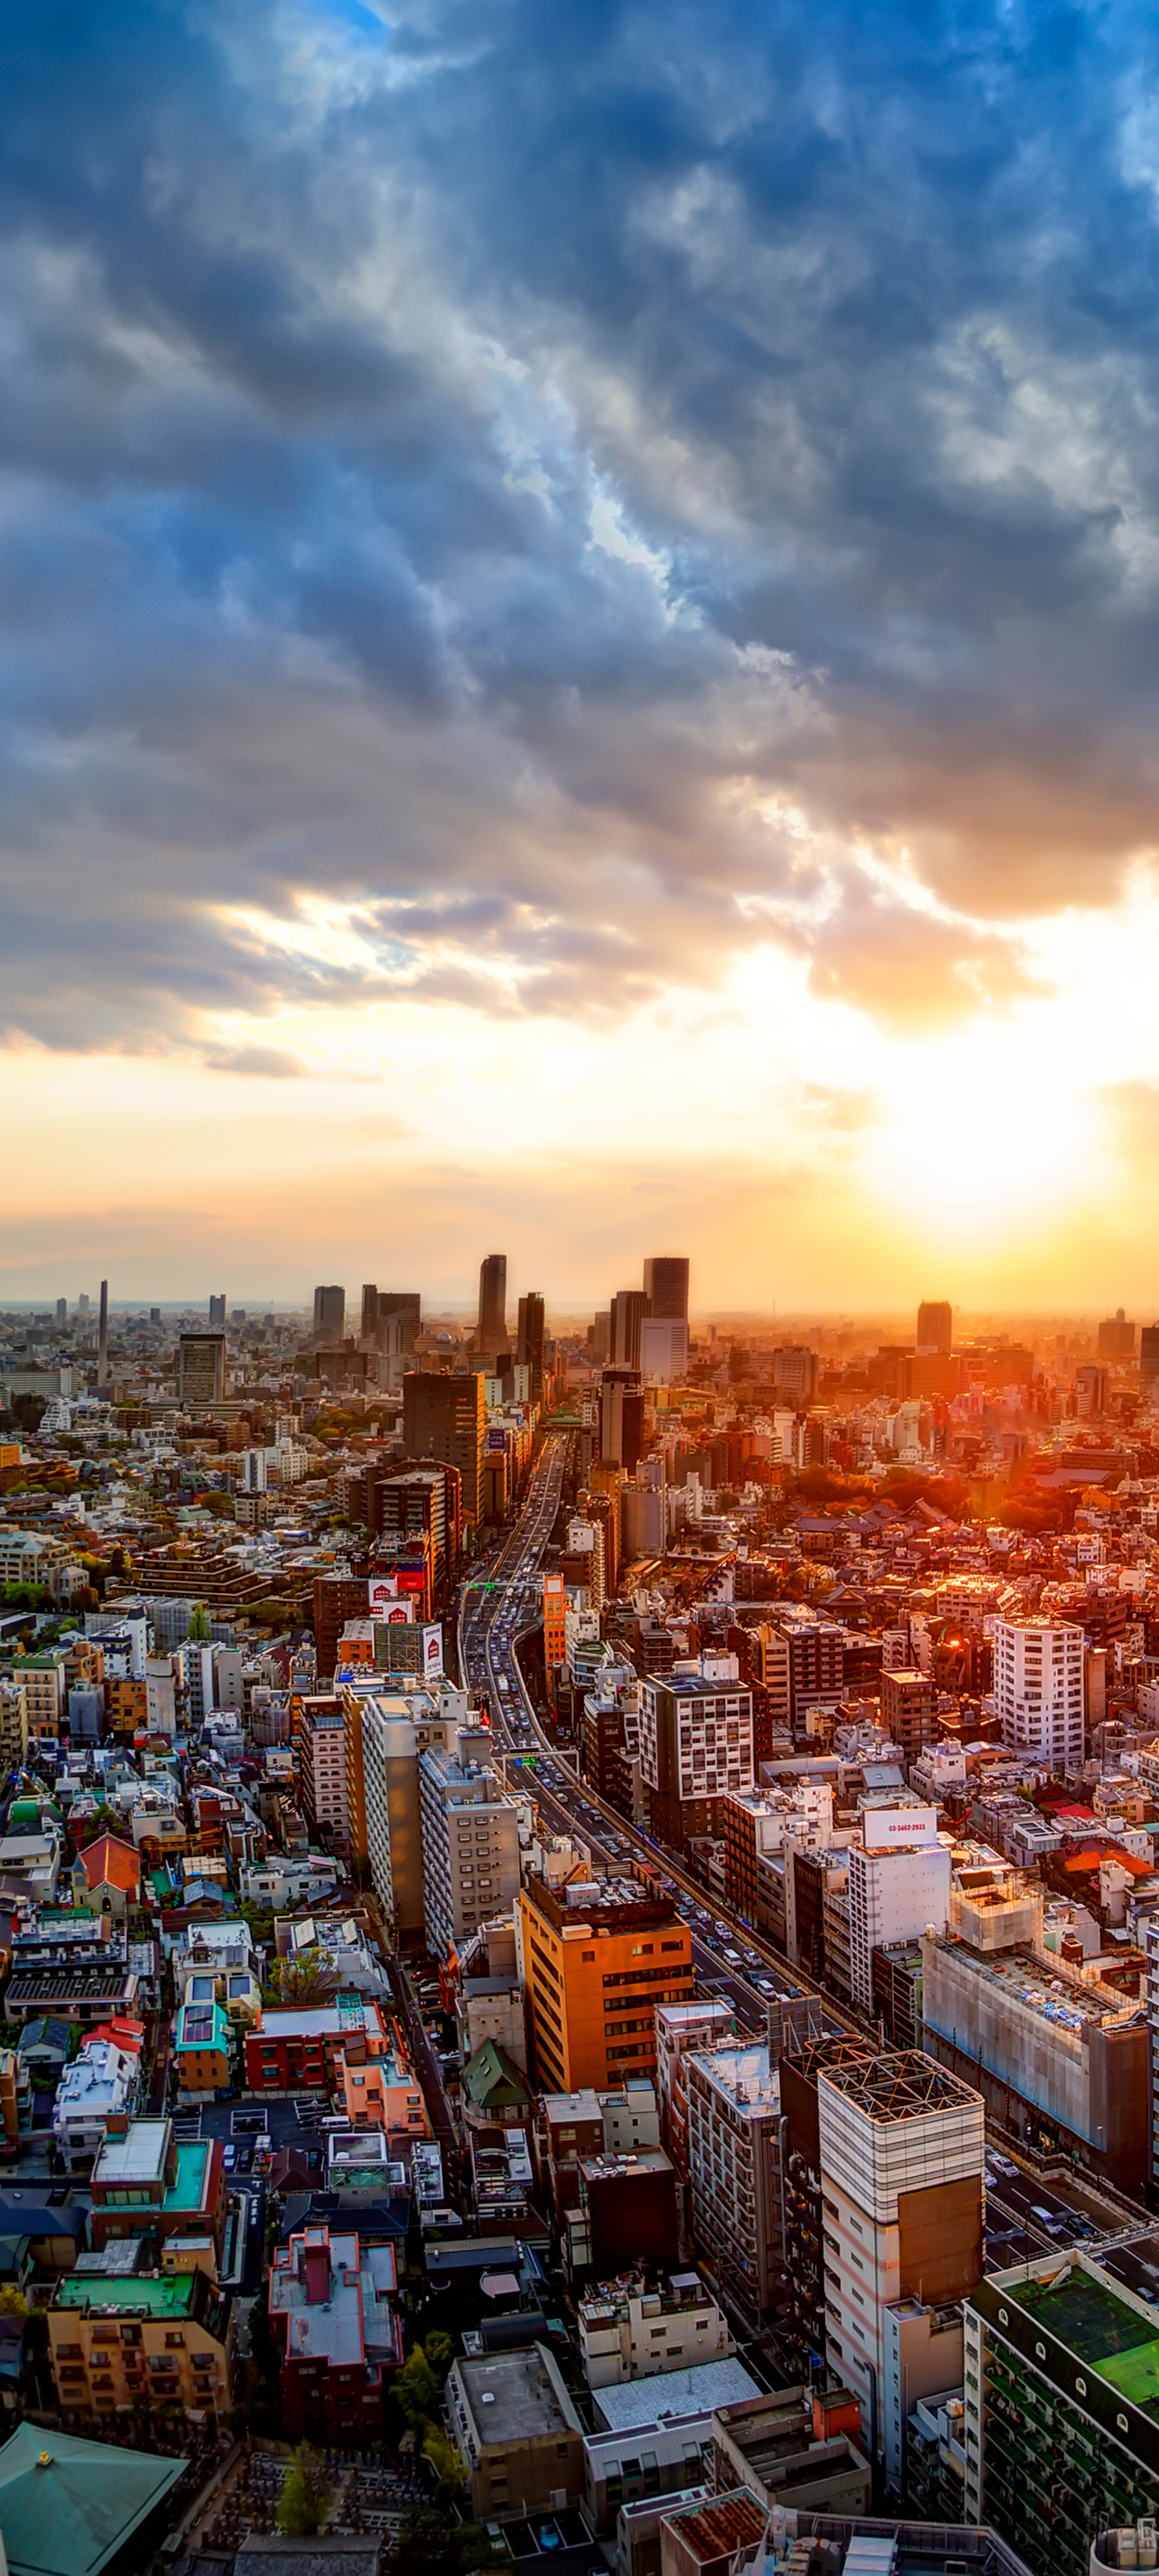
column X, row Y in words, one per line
column 766, row 1989
column 229, row 2158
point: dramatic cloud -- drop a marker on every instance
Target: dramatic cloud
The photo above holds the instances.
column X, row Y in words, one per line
column 506, row 509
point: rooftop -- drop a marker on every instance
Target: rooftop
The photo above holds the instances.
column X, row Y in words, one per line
column 903, row 2085
column 139, row 2157
column 151, row 2294
column 517, row 2396
column 68, row 2507
column 1040, row 1984
column 638, row 2403
column 744, row 2075
column 1109, row 2336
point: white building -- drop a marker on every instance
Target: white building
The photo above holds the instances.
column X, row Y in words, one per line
column 734, row 2118
column 1038, row 1690
column 470, row 1840
column 636, row 2334
column 103, row 2079
column 902, row 2157
column 899, row 1884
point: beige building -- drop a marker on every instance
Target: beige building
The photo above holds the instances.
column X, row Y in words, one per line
column 470, row 1835
column 734, row 2118
column 635, row 2334
column 518, row 2433
column 140, row 2338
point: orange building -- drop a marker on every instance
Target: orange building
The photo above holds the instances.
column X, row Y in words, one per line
column 598, row 1956
column 554, row 1621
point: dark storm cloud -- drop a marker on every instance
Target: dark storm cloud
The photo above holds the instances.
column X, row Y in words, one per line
column 484, row 472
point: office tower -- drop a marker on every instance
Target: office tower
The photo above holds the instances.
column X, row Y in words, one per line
column 82, row 1303
column 598, row 1956
column 61, row 1311
column 629, row 1307
column 734, row 2167
column 899, row 1883
column 936, row 1326
column 1116, row 1337
column 1038, row 1690
column 200, row 1370
column 154, row 1314
column 445, row 1417
column 470, row 1831
column 795, row 1372
column 492, row 1335
column 419, row 1504
column 529, row 1346
column 1149, row 1353
column 1061, row 2443
column 600, row 1338
column 103, row 1338
column 696, row 1745
column 401, row 1309
column 663, row 1349
column 253, row 1471
column 217, row 1314
column 884, row 2172
column 1092, row 1387
column 666, row 1288
column 329, row 1314
column 621, row 1418
column 369, row 1325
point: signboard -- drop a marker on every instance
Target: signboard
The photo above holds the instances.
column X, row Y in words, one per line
column 382, row 1589
column 432, row 1653
column 886, row 1827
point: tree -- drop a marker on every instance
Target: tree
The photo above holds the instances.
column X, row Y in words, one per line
column 440, row 2351
column 303, row 1983
column 450, row 2473
column 12, row 2301
column 417, row 2389
column 306, row 2495
column 198, row 1630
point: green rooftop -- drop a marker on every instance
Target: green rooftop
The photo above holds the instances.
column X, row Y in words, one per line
column 1103, row 2331
column 154, row 2294
column 188, row 2191
column 69, row 2507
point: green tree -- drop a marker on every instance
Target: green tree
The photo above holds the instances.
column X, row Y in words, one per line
column 305, row 2497
column 417, row 2389
column 450, row 2473
column 440, row 2352
column 198, row 1630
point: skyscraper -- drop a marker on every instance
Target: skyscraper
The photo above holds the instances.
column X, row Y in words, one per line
column 444, row 1417
column 493, row 1304
column 217, row 1313
column 329, row 1314
column 1038, row 1690
column 529, row 1347
column 666, row 1287
column 936, row 1326
column 200, row 1370
column 629, row 1307
column 369, row 1313
column 103, row 1338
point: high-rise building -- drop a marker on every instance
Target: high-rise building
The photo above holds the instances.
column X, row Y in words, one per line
column 629, row 1307
column 734, row 2166
column 200, row 1370
column 1038, row 1690
column 936, row 1326
column 598, row 1956
column 529, row 1345
column 217, row 1314
column 899, row 1883
column 696, row 1745
column 470, row 1831
column 1149, row 1353
column 103, row 1338
column 663, row 1348
column 369, row 1324
column 445, row 1417
column 795, row 1372
column 1061, row 2442
column 61, row 1311
column 492, row 1334
column 1117, row 1337
column 909, row 1710
column 666, row 1287
column 329, row 1315
column 621, row 1418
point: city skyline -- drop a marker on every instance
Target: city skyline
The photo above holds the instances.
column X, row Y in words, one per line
column 534, row 693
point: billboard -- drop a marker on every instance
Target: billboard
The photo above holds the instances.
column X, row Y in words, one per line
column 887, row 1826
column 432, row 1653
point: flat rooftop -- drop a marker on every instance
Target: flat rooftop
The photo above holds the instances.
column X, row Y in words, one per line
column 515, row 2397
column 1021, row 1976
column 138, row 2157
column 137, row 2294
column 744, row 2075
column 1110, row 2337
column 640, row 2403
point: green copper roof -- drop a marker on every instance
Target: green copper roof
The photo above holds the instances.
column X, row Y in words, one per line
column 67, row 2507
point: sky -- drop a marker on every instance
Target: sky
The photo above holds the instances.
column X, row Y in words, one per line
column 579, row 648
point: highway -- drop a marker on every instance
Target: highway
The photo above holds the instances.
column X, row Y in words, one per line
column 495, row 1607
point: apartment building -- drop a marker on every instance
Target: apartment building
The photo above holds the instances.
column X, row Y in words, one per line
column 598, row 1956
column 1061, row 2367
column 519, row 2433
column 734, row 2165
column 157, row 2340
column 1038, row 1690
column 445, row 1418
column 322, row 1761
column 696, row 1744
column 145, row 2184
column 681, row 2030
column 336, row 2331
column 470, row 1840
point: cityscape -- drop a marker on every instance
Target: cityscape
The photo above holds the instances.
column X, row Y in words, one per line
column 580, row 1921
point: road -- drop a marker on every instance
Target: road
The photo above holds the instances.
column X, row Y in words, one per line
column 494, row 1610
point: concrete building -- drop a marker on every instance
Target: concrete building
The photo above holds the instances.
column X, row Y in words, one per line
column 734, row 2164
column 696, row 1744
column 492, row 1338
column 329, row 1314
column 336, row 2332
column 1038, row 1690
column 1062, row 2365
column 157, row 2339
column 470, row 1840
column 597, row 1957
column 899, row 1882
column 634, row 2333
column 322, row 1761
column 445, row 1417
column 683, row 2029
column 518, row 2432
column 200, row 1370
column 794, row 2448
